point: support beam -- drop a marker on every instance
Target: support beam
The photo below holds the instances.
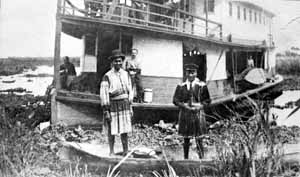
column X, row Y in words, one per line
column 57, row 45
column 206, row 17
column 54, row 116
column 120, row 40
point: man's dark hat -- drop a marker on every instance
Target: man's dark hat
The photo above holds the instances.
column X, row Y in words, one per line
column 190, row 67
column 116, row 54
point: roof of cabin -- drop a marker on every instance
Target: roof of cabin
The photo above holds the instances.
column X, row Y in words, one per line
column 254, row 5
column 78, row 26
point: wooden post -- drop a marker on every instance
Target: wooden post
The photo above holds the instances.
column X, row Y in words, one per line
column 57, row 46
column 233, row 70
column 54, row 113
column 221, row 32
column 206, row 17
column 96, row 43
column 147, row 13
column 120, row 40
column 64, row 7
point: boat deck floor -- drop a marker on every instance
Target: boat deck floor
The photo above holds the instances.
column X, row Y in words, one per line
column 77, row 97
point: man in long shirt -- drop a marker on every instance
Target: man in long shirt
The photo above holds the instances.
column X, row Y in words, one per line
column 189, row 96
column 116, row 97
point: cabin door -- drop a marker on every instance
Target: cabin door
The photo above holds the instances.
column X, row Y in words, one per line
column 108, row 41
column 198, row 59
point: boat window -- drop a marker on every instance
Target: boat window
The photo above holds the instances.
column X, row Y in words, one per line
column 245, row 14
column 230, row 9
column 126, row 2
column 210, row 6
column 250, row 15
column 126, row 44
column 90, row 45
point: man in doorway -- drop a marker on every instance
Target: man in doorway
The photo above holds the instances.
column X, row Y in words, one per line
column 250, row 62
column 189, row 97
column 116, row 98
column 132, row 66
column 67, row 73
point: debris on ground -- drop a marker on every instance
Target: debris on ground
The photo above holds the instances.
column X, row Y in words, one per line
column 150, row 136
column 26, row 109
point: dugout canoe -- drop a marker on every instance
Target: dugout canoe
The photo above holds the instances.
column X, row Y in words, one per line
column 73, row 151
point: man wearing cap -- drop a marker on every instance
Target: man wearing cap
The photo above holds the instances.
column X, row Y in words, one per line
column 116, row 97
column 189, row 96
column 132, row 66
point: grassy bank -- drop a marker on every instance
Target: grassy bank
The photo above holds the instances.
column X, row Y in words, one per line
column 290, row 69
column 291, row 82
column 288, row 66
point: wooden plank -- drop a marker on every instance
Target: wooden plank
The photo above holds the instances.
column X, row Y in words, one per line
column 74, row 113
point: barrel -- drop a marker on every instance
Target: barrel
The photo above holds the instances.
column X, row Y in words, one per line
column 148, row 95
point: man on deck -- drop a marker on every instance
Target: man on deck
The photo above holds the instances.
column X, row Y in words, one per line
column 189, row 96
column 67, row 73
column 133, row 67
column 116, row 97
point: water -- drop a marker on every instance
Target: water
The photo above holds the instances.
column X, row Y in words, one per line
column 36, row 85
column 282, row 114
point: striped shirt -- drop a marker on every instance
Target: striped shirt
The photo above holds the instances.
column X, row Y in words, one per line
column 115, row 85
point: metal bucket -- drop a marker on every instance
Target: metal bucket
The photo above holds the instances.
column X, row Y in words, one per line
column 148, row 95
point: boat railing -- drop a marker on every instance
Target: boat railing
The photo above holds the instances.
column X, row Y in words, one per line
column 143, row 14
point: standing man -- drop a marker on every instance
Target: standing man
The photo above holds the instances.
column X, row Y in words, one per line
column 132, row 66
column 250, row 62
column 67, row 73
column 116, row 97
column 189, row 96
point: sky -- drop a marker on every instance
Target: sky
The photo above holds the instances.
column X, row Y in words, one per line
column 27, row 27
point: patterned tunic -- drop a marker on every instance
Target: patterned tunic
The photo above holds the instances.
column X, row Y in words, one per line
column 191, row 124
column 116, row 96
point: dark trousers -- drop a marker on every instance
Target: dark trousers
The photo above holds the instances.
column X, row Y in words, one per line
column 186, row 147
column 137, row 83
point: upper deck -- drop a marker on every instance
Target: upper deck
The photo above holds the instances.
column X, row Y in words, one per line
column 171, row 19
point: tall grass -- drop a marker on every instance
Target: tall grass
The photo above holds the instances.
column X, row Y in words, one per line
column 288, row 66
column 237, row 143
